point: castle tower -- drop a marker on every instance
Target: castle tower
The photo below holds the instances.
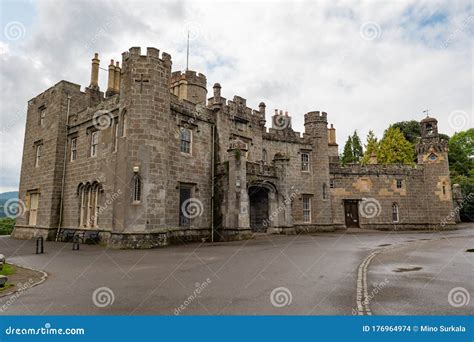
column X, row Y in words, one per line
column 189, row 85
column 43, row 160
column 432, row 153
column 143, row 151
column 315, row 124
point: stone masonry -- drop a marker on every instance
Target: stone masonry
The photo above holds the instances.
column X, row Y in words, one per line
column 153, row 161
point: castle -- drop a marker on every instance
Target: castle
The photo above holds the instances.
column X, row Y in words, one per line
column 154, row 161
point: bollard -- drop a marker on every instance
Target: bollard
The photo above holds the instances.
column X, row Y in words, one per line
column 75, row 243
column 40, row 245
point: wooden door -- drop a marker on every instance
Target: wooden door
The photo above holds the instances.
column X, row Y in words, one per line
column 351, row 212
column 34, row 203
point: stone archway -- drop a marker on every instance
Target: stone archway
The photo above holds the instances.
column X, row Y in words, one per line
column 259, row 208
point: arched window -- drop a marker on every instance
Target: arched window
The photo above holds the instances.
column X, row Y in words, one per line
column 124, row 123
column 264, row 155
column 395, row 216
column 137, row 189
column 325, row 191
column 89, row 204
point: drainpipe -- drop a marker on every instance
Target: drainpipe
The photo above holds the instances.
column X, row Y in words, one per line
column 64, row 170
column 212, row 182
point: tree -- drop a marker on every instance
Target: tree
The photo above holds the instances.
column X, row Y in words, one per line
column 357, row 150
column 394, row 148
column 461, row 166
column 411, row 130
column 347, row 154
column 371, row 147
column 461, row 153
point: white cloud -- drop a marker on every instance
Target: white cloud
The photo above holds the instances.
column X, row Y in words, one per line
column 295, row 56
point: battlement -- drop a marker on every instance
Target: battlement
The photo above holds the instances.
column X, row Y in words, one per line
column 315, row 116
column 151, row 53
column 189, row 76
column 375, row 169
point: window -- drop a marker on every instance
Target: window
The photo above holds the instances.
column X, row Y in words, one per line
column 444, row 189
column 429, row 129
column 42, row 116
column 116, row 135
column 264, row 155
column 395, row 217
column 325, row 191
column 94, row 143
column 306, row 209
column 124, row 123
column 33, row 209
column 184, row 202
column 399, row 183
column 185, row 136
column 73, row 149
column 39, row 150
column 304, row 162
column 89, row 205
column 137, row 189
column 332, row 183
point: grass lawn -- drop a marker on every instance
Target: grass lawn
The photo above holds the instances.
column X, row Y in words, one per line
column 7, row 270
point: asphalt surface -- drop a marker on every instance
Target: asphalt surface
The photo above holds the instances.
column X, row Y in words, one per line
column 270, row 275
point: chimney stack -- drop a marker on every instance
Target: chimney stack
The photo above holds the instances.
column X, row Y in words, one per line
column 111, row 81
column 117, row 77
column 332, row 135
column 95, row 72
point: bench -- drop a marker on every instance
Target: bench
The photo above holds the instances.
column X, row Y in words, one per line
column 91, row 236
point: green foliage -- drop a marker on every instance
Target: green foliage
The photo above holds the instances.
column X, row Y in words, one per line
column 411, row 129
column 353, row 151
column 394, row 148
column 347, row 154
column 6, row 225
column 372, row 146
column 461, row 166
column 7, row 270
column 238, row 154
column 357, row 150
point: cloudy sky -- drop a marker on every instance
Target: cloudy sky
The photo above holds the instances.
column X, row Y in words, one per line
column 368, row 64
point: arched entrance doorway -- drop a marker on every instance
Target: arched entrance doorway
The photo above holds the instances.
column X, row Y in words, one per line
column 259, row 204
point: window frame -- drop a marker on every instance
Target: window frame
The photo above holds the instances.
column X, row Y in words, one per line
column 332, row 183
column 137, row 189
column 94, row 146
column 73, row 150
column 181, row 140
column 307, row 217
column 42, row 116
column 399, row 184
column 38, row 153
column 395, row 213
column 305, row 166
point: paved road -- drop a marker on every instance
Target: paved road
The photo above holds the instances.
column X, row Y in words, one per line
column 320, row 273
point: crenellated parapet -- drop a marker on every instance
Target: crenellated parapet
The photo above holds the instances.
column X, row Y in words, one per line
column 189, row 85
column 315, row 116
column 376, row 169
